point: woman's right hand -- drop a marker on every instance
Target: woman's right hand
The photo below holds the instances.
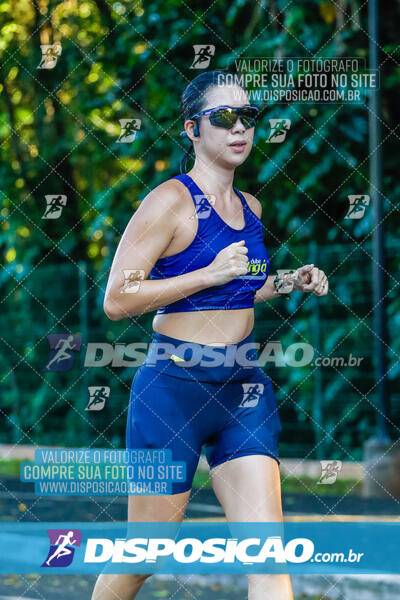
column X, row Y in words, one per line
column 229, row 263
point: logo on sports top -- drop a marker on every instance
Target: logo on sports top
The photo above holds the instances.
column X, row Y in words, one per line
column 202, row 55
column 257, row 269
column 357, row 207
column 62, row 547
column 279, row 129
column 61, row 355
column 251, row 394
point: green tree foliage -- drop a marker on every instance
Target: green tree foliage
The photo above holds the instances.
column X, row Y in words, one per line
column 59, row 131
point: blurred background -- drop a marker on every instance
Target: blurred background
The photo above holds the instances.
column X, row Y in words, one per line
column 59, row 131
column 60, row 139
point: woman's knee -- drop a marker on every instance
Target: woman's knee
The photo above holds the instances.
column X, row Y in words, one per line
column 123, row 585
column 134, row 581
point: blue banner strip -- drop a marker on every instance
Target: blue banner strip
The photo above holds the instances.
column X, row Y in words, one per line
column 200, row 547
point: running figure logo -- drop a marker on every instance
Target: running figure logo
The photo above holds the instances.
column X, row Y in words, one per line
column 285, row 281
column 97, row 397
column 50, row 54
column 251, row 394
column 330, row 471
column 279, row 129
column 203, row 203
column 62, row 547
column 357, row 207
column 54, row 205
column 61, row 356
column 202, row 56
column 132, row 279
column 129, row 127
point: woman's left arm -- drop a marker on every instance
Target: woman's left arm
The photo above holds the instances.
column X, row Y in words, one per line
column 267, row 291
column 305, row 279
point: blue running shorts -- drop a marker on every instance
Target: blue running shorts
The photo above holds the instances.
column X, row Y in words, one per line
column 187, row 395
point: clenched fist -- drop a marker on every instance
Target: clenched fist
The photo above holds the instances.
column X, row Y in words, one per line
column 229, row 263
column 311, row 279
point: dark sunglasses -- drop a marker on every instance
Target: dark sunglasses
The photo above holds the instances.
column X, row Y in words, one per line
column 226, row 116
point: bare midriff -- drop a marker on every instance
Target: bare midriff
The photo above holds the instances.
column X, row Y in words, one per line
column 211, row 327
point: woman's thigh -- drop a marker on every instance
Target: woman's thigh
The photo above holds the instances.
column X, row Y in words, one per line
column 249, row 488
column 164, row 414
column 254, row 426
column 156, row 509
column 165, row 508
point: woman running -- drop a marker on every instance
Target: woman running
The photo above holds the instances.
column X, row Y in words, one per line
column 198, row 243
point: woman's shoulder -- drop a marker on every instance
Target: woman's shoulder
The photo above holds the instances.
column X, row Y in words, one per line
column 169, row 190
column 254, row 204
column 167, row 194
column 169, row 187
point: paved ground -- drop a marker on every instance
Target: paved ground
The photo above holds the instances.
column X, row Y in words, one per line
column 18, row 502
column 74, row 587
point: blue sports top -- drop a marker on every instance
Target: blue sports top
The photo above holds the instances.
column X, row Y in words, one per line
column 212, row 235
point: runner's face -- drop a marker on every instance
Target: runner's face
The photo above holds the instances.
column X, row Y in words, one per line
column 214, row 142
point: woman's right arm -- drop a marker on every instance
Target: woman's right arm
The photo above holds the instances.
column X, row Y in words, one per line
column 147, row 235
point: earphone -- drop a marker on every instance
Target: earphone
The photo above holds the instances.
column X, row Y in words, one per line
column 196, row 132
